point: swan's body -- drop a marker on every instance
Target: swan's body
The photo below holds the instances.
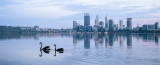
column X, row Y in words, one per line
column 46, row 48
column 60, row 50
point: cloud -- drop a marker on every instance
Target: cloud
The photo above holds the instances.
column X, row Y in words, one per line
column 38, row 8
column 56, row 8
column 155, row 14
column 47, row 11
column 128, row 6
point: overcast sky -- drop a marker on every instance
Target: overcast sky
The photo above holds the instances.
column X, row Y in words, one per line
column 61, row 13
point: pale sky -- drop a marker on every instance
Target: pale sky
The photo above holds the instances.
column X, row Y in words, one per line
column 61, row 13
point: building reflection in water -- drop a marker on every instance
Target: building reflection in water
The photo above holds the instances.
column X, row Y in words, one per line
column 106, row 40
column 121, row 40
column 156, row 39
column 87, row 37
column 150, row 37
column 111, row 40
column 103, row 39
column 129, row 40
column 96, row 40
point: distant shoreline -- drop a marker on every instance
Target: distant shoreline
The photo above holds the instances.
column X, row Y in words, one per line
column 36, row 29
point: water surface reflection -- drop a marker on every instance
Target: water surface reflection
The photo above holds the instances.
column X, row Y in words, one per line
column 99, row 38
column 109, row 39
column 79, row 49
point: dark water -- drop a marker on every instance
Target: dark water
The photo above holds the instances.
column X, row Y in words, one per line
column 80, row 49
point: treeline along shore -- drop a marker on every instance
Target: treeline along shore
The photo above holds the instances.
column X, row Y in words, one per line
column 36, row 29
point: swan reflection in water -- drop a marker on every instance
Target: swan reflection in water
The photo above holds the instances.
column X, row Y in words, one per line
column 47, row 49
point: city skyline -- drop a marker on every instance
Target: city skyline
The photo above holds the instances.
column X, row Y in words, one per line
column 110, row 26
column 47, row 14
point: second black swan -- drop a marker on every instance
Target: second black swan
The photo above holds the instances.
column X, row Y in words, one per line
column 60, row 50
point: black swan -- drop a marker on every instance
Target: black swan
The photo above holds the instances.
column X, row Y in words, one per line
column 60, row 50
column 45, row 49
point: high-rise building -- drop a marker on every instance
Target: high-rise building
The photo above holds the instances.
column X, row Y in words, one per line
column 120, row 24
column 106, row 23
column 86, row 19
column 148, row 27
column 129, row 23
column 145, row 27
column 151, row 27
column 101, row 23
column 74, row 24
column 111, row 25
column 156, row 25
column 97, row 20
column 36, row 26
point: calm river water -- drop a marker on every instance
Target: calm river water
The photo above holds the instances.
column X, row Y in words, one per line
column 80, row 49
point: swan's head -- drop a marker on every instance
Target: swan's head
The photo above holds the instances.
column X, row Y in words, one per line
column 40, row 43
column 54, row 44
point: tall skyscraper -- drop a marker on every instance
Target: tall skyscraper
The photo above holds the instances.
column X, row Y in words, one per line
column 156, row 25
column 129, row 23
column 74, row 24
column 121, row 24
column 111, row 25
column 97, row 20
column 86, row 19
column 106, row 23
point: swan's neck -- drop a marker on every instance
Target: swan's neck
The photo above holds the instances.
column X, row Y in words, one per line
column 55, row 47
column 41, row 46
